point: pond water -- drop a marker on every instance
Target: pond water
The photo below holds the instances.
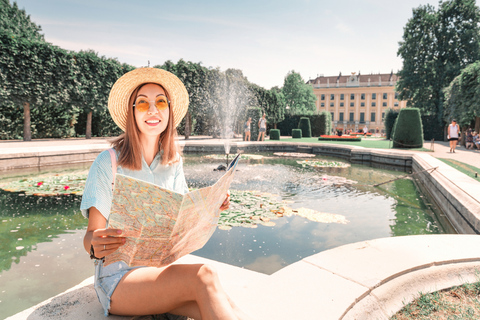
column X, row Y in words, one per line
column 41, row 237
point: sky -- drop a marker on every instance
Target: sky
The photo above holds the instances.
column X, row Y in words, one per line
column 264, row 39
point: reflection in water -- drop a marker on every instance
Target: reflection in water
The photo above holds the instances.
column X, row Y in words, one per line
column 41, row 249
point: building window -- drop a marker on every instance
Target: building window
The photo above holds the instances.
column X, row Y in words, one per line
column 322, row 104
column 362, row 117
column 351, row 116
column 396, row 95
column 396, row 104
column 373, row 104
column 341, row 104
column 384, row 104
column 362, row 96
column 341, row 116
column 362, row 104
column 383, row 116
column 331, row 113
column 384, row 96
column 372, row 117
column 332, row 97
column 374, row 96
column 352, row 96
column 342, row 96
column 352, row 104
column 331, row 104
column 323, row 97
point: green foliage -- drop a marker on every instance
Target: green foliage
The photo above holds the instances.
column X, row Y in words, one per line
column 274, row 134
column 304, row 125
column 431, row 129
column 272, row 102
column 297, row 133
column 390, row 117
column 324, row 124
column 462, row 96
column 255, row 113
column 11, row 120
column 408, row 131
column 16, row 22
column 436, row 45
column 299, row 96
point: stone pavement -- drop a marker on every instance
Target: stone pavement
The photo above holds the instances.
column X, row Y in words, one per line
column 365, row 280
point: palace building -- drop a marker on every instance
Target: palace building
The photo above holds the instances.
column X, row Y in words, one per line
column 357, row 100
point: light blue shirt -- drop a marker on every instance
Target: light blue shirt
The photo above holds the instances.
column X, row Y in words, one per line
column 98, row 188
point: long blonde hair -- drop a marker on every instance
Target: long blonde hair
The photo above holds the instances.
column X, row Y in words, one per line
column 128, row 143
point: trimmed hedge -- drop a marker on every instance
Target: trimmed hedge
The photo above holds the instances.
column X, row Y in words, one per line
column 304, row 125
column 274, row 134
column 319, row 123
column 297, row 133
column 390, row 117
column 408, row 129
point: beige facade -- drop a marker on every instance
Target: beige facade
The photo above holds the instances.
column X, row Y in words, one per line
column 357, row 100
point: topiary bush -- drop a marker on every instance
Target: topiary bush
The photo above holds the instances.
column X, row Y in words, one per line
column 408, row 129
column 274, row 134
column 297, row 133
column 390, row 117
column 304, row 125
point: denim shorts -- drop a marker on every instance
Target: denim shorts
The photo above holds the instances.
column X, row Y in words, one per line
column 107, row 279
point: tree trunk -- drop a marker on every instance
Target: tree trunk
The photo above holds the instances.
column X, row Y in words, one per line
column 274, row 126
column 477, row 124
column 88, row 131
column 27, row 133
column 188, row 125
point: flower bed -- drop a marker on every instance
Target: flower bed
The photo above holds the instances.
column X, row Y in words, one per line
column 339, row 138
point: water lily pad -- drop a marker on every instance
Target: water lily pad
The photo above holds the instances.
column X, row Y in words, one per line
column 49, row 185
column 323, row 164
column 294, row 154
column 242, row 156
column 317, row 216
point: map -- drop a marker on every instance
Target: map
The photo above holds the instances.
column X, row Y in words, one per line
column 160, row 225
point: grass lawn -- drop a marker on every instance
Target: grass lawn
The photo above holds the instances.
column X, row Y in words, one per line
column 366, row 143
column 456, row 303
column 463, row 167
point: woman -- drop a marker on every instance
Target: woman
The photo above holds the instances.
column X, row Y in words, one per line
column 262, row 128
column 453, row 134
column 148, row 104
column 247, row 129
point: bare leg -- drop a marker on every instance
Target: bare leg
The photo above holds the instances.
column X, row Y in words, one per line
column 188, row 290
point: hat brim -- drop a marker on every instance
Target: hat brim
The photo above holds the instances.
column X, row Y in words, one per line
column 126, row 84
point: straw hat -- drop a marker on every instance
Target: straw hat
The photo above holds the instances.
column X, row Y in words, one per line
column 126, row 84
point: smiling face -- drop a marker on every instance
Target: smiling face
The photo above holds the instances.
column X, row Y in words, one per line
column 153, row 121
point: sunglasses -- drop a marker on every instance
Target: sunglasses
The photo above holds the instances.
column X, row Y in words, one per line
column 142, row 104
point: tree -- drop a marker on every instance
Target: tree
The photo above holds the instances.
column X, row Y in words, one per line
column 436, row 46
column 272, row 102
column 94, row 77
column 34, row 72
column 299, row 96
column 17, row 22
column 462, row 97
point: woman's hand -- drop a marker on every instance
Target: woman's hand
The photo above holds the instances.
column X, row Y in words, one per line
column 106, row 241
column 226, row 204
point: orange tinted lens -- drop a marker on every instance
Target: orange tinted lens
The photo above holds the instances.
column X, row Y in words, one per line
column 142, row 105
column 161, row 103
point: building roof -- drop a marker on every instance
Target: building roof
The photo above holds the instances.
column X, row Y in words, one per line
column 354, row 80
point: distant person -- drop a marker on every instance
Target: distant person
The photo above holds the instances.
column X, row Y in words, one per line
column 365, row 130
column 453, row 134
column 262, row 128
column 476, row 140
column 469, row 140
column 247, row 129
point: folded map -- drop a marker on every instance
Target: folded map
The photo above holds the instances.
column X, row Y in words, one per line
column 160, row 225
